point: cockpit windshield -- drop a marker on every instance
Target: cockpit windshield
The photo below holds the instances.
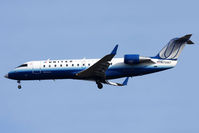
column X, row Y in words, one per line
column 23, row 65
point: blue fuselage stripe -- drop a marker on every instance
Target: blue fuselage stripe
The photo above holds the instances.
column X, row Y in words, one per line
column 69, row 73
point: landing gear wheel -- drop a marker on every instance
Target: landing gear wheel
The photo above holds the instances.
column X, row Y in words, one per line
column 99, row 85
column 19, row 86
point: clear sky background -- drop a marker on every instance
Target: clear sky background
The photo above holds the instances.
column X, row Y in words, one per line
column 165, row 102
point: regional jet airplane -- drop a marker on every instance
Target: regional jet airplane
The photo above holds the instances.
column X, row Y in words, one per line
column 104, row 69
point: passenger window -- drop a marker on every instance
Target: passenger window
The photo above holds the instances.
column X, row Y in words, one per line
column 60, row 65
column 70, row 60
column 61, row 61
column 77, row 64
column 49, row 65
column 66, row 65
column 43, row 65
column 55, row 65
column 72, row 64
column 54, row 61
column 83, row 64
column 88, row 64
column 66, row 61
column 49, row 61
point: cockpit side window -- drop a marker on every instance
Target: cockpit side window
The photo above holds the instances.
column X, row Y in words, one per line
column 23, row 65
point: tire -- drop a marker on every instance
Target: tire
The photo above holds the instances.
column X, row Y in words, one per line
column 99, row 85
column 19, row 86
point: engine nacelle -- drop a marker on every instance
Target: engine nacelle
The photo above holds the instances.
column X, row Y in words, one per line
column 131, row 59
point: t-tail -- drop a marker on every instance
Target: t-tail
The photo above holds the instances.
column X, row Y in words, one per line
column 173, row 49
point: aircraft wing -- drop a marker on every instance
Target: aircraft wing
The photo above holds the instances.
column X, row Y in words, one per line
column 98, row 70
column 117, row 84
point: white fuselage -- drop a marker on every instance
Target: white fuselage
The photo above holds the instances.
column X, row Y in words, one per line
column 61, row 69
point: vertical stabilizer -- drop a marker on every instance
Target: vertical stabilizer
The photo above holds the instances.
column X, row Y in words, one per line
column 173, row 49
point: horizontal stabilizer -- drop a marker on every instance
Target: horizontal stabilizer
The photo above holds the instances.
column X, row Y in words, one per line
column 190, row 42
column 184, row 39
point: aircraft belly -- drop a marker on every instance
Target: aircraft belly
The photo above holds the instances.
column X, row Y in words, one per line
column 44, row 74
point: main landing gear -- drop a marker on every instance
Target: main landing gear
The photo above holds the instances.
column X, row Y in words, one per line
column 99, row 85
column 19, row 84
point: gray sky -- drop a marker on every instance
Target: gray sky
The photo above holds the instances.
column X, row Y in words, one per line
column 40, row 30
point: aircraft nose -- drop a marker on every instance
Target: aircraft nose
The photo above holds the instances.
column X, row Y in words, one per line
column 6, row 76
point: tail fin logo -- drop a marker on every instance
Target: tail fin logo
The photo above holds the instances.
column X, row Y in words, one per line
column 172, row 50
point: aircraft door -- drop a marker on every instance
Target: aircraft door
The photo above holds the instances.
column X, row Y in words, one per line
column 36, row 67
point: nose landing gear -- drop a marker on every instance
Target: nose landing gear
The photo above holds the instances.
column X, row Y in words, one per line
column 99, row 85
column 19, row 84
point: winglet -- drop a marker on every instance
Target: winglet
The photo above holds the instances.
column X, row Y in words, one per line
column 114, row 50
column 125, row 81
